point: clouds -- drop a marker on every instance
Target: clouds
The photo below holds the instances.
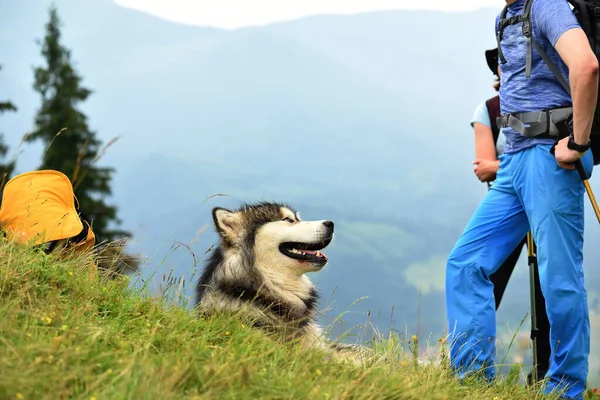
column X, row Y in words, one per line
column 231, row 14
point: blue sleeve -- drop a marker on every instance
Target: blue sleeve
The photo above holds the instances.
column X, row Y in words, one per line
column 552, row 18
column 481, row 115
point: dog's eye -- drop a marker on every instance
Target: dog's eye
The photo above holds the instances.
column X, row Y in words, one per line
column 286, row 219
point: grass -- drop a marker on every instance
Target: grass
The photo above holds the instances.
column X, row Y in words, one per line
column 65, row 334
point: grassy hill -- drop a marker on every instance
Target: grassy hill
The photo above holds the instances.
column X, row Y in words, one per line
column 65, row 333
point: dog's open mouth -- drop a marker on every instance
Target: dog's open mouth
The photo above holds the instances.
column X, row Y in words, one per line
column 310, row 252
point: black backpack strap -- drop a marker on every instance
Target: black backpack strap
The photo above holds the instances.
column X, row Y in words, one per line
column 528, row 32
column 493, row 107
column 503, row 23
column 84, row 221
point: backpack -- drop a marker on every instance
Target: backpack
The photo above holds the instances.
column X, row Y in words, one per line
column 587, row 13
column 40, row 207
column 493, row 107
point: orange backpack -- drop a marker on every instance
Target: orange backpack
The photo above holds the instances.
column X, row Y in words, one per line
column 40, row 207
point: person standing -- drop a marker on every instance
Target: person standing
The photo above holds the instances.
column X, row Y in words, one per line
column 489, row 145
column 537, row 187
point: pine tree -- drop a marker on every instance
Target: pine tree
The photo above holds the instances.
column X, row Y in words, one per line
column 7, row 169
column 71, row 147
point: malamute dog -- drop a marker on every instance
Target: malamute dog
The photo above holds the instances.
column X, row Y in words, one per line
column 259, row 268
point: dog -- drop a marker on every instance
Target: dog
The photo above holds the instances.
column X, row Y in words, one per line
column 259, row 269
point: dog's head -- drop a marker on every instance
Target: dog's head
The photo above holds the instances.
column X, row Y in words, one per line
column 275, row 236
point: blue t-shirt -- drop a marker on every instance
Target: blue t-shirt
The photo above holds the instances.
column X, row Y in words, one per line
column 549, row 20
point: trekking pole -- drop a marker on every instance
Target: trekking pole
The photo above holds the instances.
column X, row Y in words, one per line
column 588, row 188
column 532, row 258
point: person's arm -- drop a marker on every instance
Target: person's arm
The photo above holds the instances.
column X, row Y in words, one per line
column 555, row 21
column 484, row 142
column 574, row 48
column 486, row 163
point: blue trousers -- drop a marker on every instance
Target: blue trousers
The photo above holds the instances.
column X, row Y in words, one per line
column 530, row 192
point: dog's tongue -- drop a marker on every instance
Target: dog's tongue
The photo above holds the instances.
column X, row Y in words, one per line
column 315, row 253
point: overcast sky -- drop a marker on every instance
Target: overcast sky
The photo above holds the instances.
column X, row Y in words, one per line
column 230, row 14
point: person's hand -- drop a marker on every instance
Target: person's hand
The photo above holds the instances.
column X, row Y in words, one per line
column 565, row 157
column 486, row 169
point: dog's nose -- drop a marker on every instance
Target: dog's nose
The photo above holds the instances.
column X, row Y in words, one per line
column 328, row 224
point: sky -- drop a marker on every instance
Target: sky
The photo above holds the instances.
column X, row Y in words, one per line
column 233, row 14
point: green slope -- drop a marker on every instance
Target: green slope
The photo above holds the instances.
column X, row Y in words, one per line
column 66, row 335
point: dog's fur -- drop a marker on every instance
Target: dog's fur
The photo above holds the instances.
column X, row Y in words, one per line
column 252, row 271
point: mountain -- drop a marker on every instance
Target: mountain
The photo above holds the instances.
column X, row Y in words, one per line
column 360, row 119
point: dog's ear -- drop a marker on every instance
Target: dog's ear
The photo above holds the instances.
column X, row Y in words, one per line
column 228, row 223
